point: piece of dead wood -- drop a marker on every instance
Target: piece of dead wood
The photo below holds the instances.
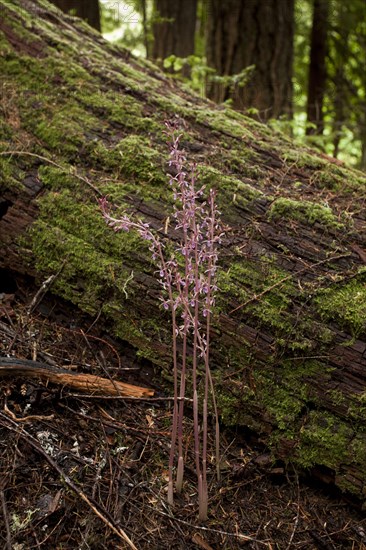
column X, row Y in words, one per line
column 86, row 383
column 199, row 541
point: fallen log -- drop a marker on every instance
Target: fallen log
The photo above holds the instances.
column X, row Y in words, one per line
column 83, row 119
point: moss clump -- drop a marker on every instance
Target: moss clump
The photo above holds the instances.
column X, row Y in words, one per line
column 284, row 393
column 104, row 158
column 10, row 174
column 218, row 121
column 324, row 440
column 247, row 279
column 346, row 304
column 304, row 211
column 339, row 180
column 284, row 407
column 231, row 189
column 303, row 158
column 65, row 130
column 357, row 410
column 140, row 160
column 56, row 248
column 119, row 111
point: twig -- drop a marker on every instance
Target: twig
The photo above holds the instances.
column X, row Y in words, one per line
column 128, row 397
column 279, row 283
column 297, row 514
column 210, row 530
column 40, row 157
column 43, row 289
column 98, row 510
column 26, row 418
column 4, row 508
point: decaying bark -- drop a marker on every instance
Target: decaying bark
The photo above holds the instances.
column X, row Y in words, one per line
column 82, row 119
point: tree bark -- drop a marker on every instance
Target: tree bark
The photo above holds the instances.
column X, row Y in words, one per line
column 242, row 34
column 317, row 67
column 86, row 9
column 288, row 345
column 174, row 29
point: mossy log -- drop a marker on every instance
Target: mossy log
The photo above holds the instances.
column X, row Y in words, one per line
column 83, row 118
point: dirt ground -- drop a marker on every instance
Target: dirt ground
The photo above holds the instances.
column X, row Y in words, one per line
column 79, row 472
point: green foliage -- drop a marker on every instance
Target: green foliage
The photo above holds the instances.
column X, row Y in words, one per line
column 344, row 134
column 199, row 70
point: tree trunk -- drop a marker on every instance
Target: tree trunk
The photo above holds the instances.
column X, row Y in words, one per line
column 242, row 34
column 86, row 9
column 317, row 67
column 338, row 105
column 174, row 28
column 145, row 27
column 83, row 119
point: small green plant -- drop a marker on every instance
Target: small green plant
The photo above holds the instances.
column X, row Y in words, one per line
column 188, row 280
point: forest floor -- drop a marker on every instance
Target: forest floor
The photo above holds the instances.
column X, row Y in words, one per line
column 79, row 472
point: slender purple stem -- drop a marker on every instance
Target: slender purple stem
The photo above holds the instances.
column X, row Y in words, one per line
column 190, row 296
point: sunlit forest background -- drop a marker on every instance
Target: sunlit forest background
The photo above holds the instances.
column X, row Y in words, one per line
column 297, row 65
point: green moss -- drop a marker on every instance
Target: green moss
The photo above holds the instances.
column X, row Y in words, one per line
column 10, row 175
column 66, row 129
column 345, row 304
column 121, row 110
column 104, row 158
column 218, row 121
column 283, row 407
column 230, row 189
column 55, row 178
column 324, row 440
column 52, row 137
column 358, row 447
column 338, row 179
column 304, row 211
column 303, row 158
column 80, row 262
column 284, row 393
column 236, row 400
column 357, row 410
column 70, row 213
column 141, row 161
column 246, row 279
column 28, row 74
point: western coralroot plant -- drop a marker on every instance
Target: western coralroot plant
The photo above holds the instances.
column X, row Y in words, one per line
column 188, row 280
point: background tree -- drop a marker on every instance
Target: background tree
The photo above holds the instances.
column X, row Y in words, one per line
column 174, row 26
column 345, row 100
column 241, row 34
column 330, row 94
column 317, row 67
column 86, row 9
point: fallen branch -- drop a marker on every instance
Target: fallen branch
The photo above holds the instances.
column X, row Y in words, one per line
column 88, row 383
